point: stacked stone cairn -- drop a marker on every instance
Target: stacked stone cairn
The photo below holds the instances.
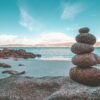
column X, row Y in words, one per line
column 85, row 71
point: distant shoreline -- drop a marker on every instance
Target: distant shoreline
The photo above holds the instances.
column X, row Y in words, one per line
column 45, row 46
column 37, row 47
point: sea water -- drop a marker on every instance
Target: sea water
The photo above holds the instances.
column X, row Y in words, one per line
column 53, row 62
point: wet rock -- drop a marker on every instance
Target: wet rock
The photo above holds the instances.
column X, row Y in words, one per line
column 5, row 65
column 84, row 60
column 21, row 65
column 81, row 48
column 88, row 76
column 86, row 38
column 12, row 72
column 46, row 88
column 84, row 30
column 5, row 53
column 38, row 55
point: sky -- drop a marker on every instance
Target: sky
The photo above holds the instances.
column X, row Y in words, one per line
column 47, row 21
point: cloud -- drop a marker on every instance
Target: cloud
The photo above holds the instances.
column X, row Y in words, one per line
column 14, row 39
column 54, row 37
column 7, row 39
column 98, row 39
column 71, row 10
column 46, row 38
column 28, row 21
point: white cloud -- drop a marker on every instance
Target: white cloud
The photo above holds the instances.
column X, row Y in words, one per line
column 7, row 37
column 54, row 37
column 28, row 21
column 46, row 38
column 14, row 39
column 71, row 10
column 98, row 39
column 4, row 39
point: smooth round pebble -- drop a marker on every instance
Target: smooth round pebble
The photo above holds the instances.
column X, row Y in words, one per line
column 88, row 76
column 84, row 60
column 81, row 48
column 84, row 30
column 86, row 38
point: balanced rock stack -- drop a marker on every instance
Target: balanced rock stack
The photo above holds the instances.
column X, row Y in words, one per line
column 85, row 61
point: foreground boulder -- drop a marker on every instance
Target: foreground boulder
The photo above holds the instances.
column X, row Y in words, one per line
column 71, row 90
column 46, row 88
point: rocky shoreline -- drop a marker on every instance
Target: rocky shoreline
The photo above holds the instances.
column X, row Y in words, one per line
column 45, row 88
column 6, row 53
column 10, row 53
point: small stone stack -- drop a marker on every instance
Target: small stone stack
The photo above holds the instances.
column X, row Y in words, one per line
column 85, row 61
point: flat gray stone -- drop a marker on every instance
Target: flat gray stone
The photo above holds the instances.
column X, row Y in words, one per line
column 45, row 88
column 74, row 91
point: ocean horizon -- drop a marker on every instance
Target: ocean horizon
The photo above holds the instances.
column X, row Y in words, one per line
column 51, row 53
column 53, row 62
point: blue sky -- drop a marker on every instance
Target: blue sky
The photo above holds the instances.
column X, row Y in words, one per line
column 47, row 21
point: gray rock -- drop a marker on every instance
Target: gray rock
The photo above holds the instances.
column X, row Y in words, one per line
column 13, row 72
column 5, row 65
column 46, row 88
column 71, row 90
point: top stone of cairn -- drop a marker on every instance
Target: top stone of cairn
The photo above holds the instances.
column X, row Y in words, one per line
column 85, row 36
column 84, row 30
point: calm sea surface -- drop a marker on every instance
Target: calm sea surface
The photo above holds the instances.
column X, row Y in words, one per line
column 54, row 62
